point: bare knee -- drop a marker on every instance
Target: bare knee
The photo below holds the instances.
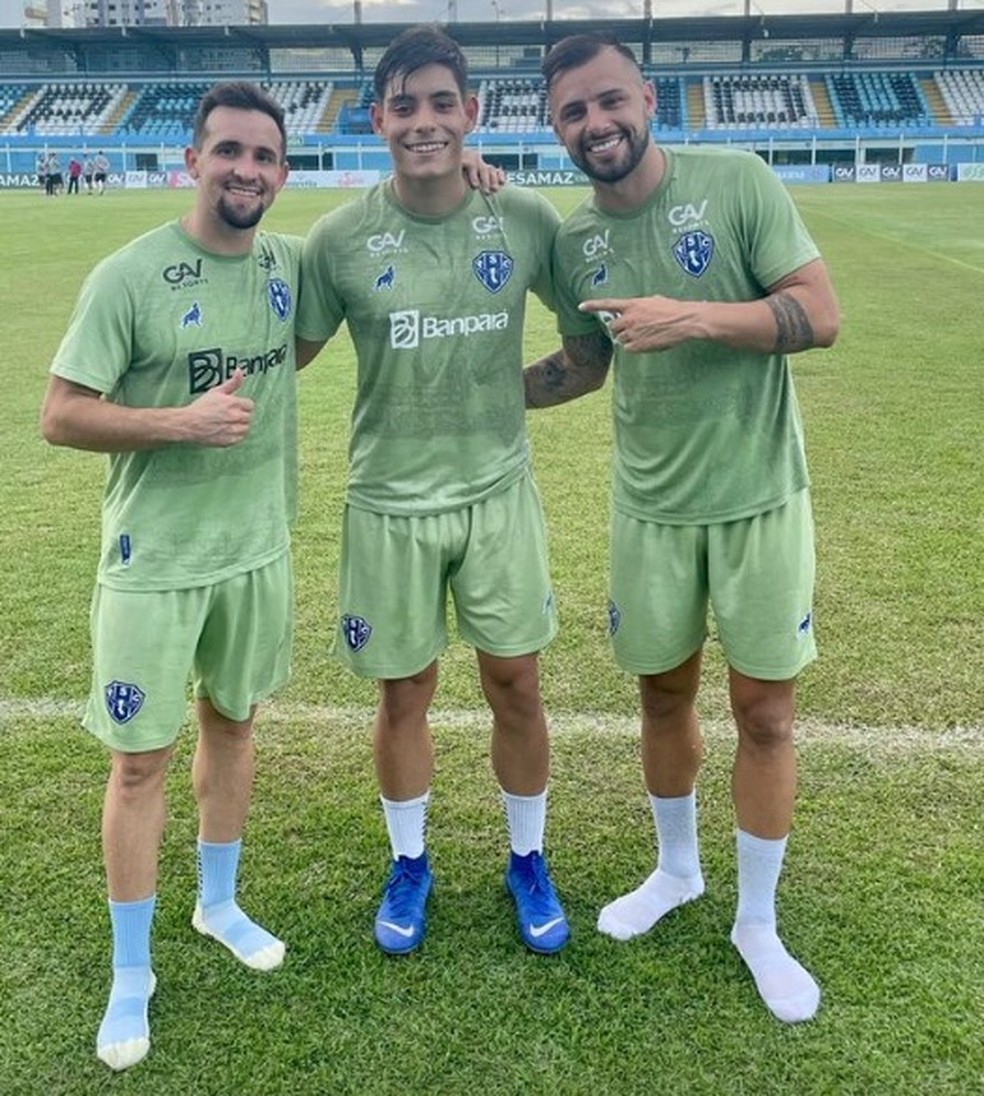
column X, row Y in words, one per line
column 511, row 685
column 407, row 698
column 135, row 775
column 764, row 715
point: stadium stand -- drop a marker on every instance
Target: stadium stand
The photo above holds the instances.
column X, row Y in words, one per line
column 304, row 103
column 513, row 105
column 963, row 94
column 163, row 111
column 877, row 99
column 67, row 109
column 759, row 101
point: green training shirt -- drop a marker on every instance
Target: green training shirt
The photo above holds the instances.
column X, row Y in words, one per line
column 703, row 433
column 157, row 324
column 435, row 307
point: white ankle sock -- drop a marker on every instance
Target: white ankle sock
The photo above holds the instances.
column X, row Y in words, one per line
column 676, row 880
column 788, row 989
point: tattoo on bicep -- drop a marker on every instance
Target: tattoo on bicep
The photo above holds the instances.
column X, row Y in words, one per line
column 793, row 329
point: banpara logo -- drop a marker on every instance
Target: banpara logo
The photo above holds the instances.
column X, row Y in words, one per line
column 408, row 328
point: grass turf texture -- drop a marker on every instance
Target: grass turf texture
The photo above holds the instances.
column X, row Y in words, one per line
column 882, row 896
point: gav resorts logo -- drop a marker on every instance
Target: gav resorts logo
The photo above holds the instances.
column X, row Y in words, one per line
column 408, row 328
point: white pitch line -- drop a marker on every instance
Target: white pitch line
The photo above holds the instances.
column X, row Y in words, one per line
column 810, row 732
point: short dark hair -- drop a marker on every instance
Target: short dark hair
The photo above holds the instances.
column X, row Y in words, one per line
column 414, row 48
column 239, row 95
column 578, row 49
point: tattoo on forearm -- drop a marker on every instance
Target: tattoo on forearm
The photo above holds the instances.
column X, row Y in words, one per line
column 793, row 329
column 566, row 374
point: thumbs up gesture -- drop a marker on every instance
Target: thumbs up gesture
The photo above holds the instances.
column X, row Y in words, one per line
column 220, row 418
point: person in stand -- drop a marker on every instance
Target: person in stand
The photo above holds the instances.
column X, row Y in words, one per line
column 697, row 265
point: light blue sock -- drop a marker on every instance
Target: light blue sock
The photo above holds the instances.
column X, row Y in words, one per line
column 218, row 915
column 124, row 1034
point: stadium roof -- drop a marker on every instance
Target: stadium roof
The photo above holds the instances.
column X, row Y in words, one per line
column 358, row 36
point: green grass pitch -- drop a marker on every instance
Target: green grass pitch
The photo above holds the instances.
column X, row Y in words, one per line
column 882, row 897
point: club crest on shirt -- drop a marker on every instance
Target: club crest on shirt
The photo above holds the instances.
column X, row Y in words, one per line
column 123, row 700
column 599, row 276
column 192, row 316
column 693, row 251
column 493, row 269
column 278, row 293
column 356, row 631
column 386, row 279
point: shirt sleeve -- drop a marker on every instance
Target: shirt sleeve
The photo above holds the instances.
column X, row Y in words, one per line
column 97, row 347
column 320, row 311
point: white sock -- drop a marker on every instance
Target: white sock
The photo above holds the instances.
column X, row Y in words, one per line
column 526, row 817
column 405, row 821
column 676, row 880
column 788, row 989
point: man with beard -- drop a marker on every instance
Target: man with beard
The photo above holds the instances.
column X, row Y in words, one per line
column 698, row 266
column 179, row 363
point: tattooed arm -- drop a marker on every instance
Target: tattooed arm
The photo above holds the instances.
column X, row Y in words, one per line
column 798, row 312
column 579, row 366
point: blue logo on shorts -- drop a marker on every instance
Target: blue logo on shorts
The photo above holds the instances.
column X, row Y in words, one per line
column 356, row 631
column 803, row 628
column 614, row 618
column 123, row 701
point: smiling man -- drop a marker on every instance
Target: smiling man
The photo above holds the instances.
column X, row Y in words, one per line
column 696, row 263
column 179, row 363
column 432, row 279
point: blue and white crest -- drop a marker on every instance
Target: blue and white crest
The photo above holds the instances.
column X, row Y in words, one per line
column 493, row 268
column 614, row 618
column 693, row 251
column 356, row 631
column 278, row 292
column 803, row 628
column 123, row 701
column 192, row 316
column 386, row 279
column 600, row 276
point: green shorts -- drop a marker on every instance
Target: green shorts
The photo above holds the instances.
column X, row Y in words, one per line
column 757, row 574
column 232, row 639
column 395, row 573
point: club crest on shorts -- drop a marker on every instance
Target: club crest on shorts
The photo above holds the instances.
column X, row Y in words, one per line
column 693, row 251
column 614, row 618
column 278, row 292
column 493, row 269
column 356, row 631
column 803, row 628
column 123, row 700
